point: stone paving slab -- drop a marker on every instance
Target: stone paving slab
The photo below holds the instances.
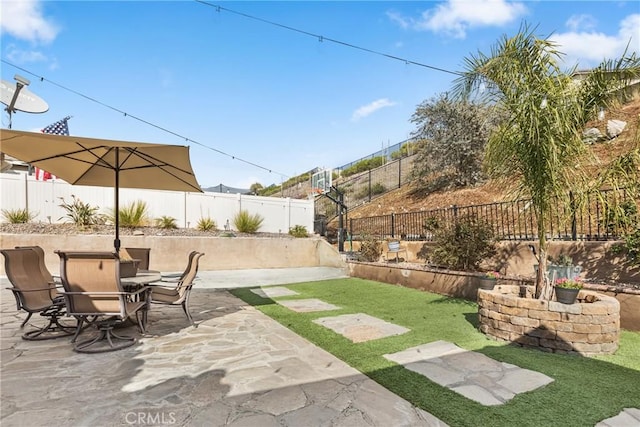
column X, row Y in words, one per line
column 239, row 367
column 274, row 292
column 473, row 375
column 361, row 327
column 629, row 417
column 307, row 305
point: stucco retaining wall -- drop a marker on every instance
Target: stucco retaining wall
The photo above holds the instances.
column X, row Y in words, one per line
column 591, row 326
column 170, row 253
column 516, row 259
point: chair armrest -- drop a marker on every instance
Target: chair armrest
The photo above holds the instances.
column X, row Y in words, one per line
column 101, row 293
column 13, row 289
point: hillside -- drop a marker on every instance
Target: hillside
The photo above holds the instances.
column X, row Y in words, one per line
column 401, row 200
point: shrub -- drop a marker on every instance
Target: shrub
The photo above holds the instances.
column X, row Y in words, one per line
column 166, row 222
column 18, row 216
column 630, row 247
column 206, row 224
column 298, row 231
column 378, row 188
column 133, row 215
column 622, row 218
column 464, row 244
column 80, row 213
column 363, row 165
column 247, row 223
column 370, row 249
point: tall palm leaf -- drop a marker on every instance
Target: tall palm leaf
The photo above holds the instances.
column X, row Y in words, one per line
column 540, row 145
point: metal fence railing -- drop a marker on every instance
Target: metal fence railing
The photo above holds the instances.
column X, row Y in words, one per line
column 368, row 185
column 584, row 218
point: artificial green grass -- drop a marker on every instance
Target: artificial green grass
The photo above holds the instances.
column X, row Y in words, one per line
column 584, row 392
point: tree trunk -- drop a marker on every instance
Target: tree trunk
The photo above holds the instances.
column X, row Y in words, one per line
column 544, row 290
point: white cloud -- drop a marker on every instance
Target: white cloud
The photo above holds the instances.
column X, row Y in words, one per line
column 402, row 22
column 588, row 48
column 18, row 55
column 583, row 21
column 371, row 108
column 455, row 17
column 24, row 20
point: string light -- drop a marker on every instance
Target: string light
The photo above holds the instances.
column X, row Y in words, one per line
column 322, row 38
column 141, row 120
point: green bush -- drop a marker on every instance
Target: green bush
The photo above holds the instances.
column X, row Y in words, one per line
column 17, row 216
column 247, row 223
column 80, row 213
column 630, row 247
column 363, row 165
column 370, row 249
column 622, row 218
column 298, row 231
column 132, row 215
column 378, row 188
column 463, row 245
column 166, row 222
column 206, row 224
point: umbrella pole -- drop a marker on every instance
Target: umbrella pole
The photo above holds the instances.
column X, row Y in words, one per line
column 116, row 242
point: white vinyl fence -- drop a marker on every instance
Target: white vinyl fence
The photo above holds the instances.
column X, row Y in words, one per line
column 42, row 198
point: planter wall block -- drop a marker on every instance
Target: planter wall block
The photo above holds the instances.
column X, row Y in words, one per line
column 589, row 327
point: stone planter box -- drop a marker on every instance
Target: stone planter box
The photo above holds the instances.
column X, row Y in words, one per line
column 589, row 327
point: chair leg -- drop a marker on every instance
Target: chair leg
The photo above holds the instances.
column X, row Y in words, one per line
column 105, row 333
column 185, row 307
column 186, row 311
column 54, row 329
column 141, row 318
column 79, row 329
column 26, row 320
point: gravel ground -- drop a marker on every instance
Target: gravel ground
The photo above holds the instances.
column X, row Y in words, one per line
column 44, row 228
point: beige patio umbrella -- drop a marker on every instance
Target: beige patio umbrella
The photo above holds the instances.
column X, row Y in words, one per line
column 104, row 163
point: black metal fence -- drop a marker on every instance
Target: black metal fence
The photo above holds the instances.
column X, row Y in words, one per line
column 584, row 218
column 368, row 185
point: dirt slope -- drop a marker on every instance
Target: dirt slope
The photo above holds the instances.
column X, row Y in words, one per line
column 401, row 200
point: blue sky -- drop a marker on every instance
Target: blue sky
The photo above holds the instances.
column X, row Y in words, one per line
column 280, row 101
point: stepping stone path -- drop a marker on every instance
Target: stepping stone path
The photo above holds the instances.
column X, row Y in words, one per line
column 361, row 327
column 473, row 375
column 628, row 417
column 308, row 305
column 274, row 292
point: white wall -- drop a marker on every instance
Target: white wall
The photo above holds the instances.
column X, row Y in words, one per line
column 42, row 198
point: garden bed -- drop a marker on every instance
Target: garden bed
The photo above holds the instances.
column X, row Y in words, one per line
column 591, row 326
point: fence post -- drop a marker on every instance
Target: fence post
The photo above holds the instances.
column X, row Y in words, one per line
column 400, row 172
column 574, row 221
column 393, row 225
column 369, row 184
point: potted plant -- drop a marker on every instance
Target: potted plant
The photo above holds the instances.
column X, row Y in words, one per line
column 567, row 290
column 561, row 267
column 489, row 280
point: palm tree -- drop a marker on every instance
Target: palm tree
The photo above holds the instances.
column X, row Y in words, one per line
column 540, row 144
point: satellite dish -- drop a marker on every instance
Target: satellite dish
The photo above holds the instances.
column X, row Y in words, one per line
column 27, row 101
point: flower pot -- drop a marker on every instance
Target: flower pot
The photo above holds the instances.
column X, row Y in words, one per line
column 566, row 295
column 487, row 283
